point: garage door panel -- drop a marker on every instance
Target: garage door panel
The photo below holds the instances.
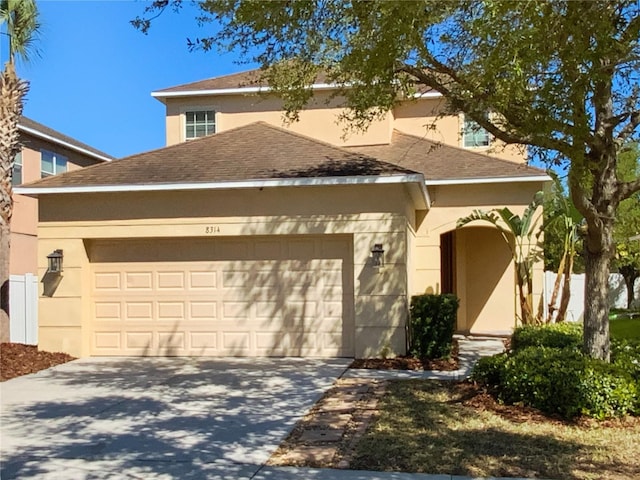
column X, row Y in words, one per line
column 171, row 311
column 202, row 280
column 170, row 280
column 139, row 280
column 268, row 297
column 203, row 310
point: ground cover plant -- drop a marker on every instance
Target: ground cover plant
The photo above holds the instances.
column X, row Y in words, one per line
column 453, row 428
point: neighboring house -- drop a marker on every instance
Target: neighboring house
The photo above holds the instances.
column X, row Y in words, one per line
column 45, row 152
column 262, row 240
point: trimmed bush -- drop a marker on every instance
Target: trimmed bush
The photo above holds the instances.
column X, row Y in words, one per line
column 626, row 355
column 555, row 335
column 433, row 321
column 561, row 381
column 488, row 370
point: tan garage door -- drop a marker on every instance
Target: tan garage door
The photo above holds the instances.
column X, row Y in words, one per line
column 265, row 296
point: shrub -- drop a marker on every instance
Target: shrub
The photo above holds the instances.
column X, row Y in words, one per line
column 555, row 335
column 488, row 370
column 433, row 321
column 626, row 354
column 561, row 381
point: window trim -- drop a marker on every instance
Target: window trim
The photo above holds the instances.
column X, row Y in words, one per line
column 21, row 165
column 55, row 156
column 463, row 136
column 197, row 108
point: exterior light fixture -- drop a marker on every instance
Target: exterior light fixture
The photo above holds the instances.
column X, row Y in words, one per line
column 55, row 261
column 377, row 255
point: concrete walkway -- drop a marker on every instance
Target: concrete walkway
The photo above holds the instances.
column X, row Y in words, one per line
column 470, row 350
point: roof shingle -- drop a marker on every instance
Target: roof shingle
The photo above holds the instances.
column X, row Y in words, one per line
column 253, row 152
column 250, row 78
column 443, row 162
column 50, row 132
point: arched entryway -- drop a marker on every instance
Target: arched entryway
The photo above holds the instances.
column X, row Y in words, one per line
column 475, row 264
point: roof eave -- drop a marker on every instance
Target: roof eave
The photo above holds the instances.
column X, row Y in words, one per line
column 420, row 196
column 485, row 180
column 70, row 146
column 161, row 95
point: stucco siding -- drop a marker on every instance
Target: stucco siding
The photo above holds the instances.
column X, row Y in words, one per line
column 368, row 214
column 484, row 273
column 320, row 119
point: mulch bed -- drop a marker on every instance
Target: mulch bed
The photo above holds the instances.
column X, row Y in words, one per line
column 17, row 359
column 410, row 363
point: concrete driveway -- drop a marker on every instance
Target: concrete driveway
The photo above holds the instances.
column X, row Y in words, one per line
column 160, row 418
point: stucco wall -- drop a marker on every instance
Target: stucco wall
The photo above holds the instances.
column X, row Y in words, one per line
column 422, row 117
column 319, row 119
column 484, row 276
column 371, row 214
column 24, row 222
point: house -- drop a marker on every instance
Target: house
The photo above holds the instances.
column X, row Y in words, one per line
column 246, row 236
column 45, row 152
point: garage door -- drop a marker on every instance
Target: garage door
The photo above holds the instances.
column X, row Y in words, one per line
column 265, row 296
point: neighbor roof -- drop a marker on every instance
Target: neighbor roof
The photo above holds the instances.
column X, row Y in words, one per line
column 39, row 130
column 257, row 151
column 439, row 162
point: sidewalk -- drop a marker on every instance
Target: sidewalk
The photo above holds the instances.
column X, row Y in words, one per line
column 297, row 473
column 470, row 350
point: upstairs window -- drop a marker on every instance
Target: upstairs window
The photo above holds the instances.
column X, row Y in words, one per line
column 474, row 135
column 52, row 164
column 200, row 123
column 17, row 169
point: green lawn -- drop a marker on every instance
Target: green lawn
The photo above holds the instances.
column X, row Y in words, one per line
column 425, row 426
column 628, row 328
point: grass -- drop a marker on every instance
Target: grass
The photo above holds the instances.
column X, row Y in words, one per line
column 425, row 426
column 628, row 328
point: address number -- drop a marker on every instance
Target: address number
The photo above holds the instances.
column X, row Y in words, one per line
column 212, row 229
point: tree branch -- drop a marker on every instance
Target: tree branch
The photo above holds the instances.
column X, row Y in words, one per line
column 626, row 189
column 629, row 128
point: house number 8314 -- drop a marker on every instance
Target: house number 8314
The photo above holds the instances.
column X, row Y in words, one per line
column 212, row 229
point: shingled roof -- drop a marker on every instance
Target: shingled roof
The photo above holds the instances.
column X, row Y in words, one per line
column 258, row 151
column 37, row 129
column 443, row 162
column 247, row 79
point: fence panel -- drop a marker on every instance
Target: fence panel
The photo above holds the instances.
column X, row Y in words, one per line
column 23, row 309
column 575, row 311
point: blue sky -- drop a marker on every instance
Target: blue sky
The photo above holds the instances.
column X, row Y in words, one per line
column 95, row 72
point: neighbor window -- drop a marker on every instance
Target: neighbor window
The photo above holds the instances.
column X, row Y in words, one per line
column 17, row 169
column 200, row 123
column 474, row 135
column 52, row 164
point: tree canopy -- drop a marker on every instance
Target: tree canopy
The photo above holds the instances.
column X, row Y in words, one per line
column 560, row 77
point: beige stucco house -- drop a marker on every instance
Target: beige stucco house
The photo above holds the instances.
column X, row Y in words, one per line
column 247, row 236
column 45, row 152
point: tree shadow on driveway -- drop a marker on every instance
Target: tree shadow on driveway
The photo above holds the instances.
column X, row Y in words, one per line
column 156, row 418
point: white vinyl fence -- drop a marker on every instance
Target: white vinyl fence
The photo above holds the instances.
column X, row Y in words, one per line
column 23, row 309
column 575, row 311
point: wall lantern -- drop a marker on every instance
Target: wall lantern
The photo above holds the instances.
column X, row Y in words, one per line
column 55, row 261
column 377, row 255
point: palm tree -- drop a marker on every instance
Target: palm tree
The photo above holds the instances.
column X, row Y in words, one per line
column 21, row 20
column 522, row 235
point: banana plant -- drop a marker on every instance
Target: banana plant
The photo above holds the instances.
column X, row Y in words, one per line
column 563, row 210
column 522, row 235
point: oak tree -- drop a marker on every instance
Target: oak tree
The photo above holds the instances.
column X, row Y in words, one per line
column 558, row 77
